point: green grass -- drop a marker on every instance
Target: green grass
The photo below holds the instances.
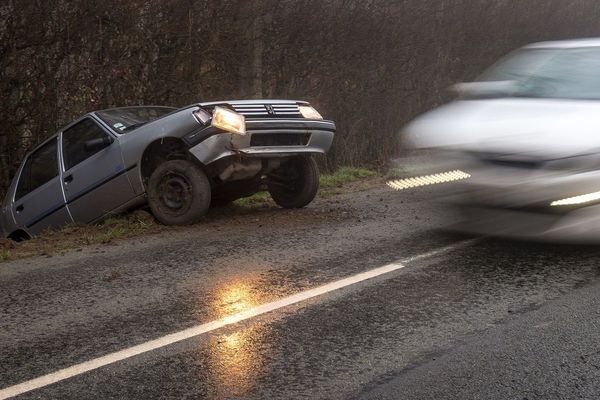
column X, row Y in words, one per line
column 345, row 175
column 327, row 181
column 5, row 255
column 123, row 226
column 116, row 227
column 77, row 236
column 254, row 200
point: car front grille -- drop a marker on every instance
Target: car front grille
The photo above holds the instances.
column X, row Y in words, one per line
column 267, row 110
column 279, row 139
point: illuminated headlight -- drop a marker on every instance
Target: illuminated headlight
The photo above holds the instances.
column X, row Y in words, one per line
column 309, row 112
column 229, row 121
column 572, row 201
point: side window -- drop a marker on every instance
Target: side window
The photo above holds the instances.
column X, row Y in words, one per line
column 39, row 168
column 77, row 139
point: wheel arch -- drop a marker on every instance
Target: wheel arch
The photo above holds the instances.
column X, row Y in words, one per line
column 162, row 150
column 19, row 235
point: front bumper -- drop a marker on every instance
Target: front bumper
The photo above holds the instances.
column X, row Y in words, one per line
column 503, row 203
column 210, row 145
column 580, row 226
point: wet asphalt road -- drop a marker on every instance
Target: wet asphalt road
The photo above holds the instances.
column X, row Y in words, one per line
column 484, row 319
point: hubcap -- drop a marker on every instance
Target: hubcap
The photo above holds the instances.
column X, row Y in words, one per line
column 175, row 192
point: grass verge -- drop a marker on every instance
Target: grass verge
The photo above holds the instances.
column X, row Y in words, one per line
column 79, row 236
column 345, row 175
column 327, row 182
column 140, row 222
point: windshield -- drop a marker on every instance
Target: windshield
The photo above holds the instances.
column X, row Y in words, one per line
column 550, row 73
column 126, row 119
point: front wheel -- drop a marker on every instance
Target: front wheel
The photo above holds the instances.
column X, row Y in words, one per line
column 296, row 183
column 178, row 193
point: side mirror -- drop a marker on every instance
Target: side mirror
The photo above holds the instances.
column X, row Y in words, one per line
column 98, row 144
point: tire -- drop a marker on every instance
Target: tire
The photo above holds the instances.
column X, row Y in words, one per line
column 296, row 183
column 178, row 193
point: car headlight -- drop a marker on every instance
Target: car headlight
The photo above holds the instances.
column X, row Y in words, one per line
column 229, row 121
column 309, row 112
column 577, row 200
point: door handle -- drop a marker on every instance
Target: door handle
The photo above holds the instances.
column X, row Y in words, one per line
column 20, row 208
column 68, row 179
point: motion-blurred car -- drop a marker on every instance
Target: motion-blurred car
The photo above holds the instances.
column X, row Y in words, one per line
column 177, row 160
column 528, row 133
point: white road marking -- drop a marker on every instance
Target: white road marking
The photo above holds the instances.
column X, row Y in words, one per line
column 111, row 358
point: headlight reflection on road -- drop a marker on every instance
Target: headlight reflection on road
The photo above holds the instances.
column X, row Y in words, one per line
column 426, row 180
column 234, row 300
column 236, row 359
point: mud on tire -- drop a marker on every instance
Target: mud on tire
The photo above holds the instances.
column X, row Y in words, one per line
column 178, row 193
column 296, row 183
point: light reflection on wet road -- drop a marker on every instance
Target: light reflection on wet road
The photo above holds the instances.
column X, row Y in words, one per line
column 234, row 363
column 236, row 297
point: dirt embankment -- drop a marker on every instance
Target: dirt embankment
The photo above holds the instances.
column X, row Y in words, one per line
column 257, row 211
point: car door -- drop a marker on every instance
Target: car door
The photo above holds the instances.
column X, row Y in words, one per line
column 38, row 202
column 94, row 178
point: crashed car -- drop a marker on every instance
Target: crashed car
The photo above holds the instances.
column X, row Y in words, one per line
column 178, row 161
column 527, row 133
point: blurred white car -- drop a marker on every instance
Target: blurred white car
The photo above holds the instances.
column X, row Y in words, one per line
column 528, row 133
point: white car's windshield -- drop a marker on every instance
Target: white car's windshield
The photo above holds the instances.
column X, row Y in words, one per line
column 550, row 73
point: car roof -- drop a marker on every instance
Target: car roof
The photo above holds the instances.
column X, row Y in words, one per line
column 251, row 102
column 130, row 107
column 91, row 113
column 566, row 44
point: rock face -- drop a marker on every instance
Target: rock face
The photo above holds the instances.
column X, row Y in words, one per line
column 370, row 65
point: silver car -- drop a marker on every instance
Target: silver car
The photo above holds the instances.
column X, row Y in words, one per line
column 179, row 161
column 528, row 134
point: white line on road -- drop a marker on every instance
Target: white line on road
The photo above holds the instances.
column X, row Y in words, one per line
column 111, row 358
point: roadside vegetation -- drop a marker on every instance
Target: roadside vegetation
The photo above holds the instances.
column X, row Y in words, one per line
column 151, row 52
column 328, row 185
column 140, row 222
column 345, row 175
column 80, row 236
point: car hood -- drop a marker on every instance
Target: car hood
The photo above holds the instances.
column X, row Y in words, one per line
column 538, row 127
